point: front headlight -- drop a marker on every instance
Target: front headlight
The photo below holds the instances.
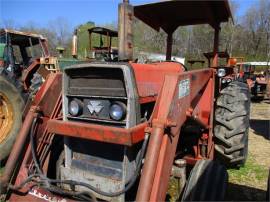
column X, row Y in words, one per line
column 229, row 80
column 118, row 111
column 75, row 107
column 221, row 72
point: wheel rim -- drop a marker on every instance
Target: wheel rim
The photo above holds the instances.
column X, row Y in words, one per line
column 6, row 117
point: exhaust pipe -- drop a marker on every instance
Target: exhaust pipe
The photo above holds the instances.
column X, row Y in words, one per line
column 125, row 31
column 74, row 51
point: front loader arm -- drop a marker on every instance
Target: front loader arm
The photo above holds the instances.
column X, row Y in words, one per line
column 171, row 110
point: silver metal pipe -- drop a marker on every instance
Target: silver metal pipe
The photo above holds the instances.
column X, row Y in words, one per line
column 74, row 51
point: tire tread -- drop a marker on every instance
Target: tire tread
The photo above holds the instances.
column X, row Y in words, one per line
column 231, row 124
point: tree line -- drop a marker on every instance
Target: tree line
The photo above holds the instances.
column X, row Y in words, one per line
column 247, row 35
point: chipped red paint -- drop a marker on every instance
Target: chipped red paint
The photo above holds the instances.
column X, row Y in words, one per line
column 50, row 89
column 162, row 147
column 159, row 158
column 98, row 132
column 28, row 73
column 178, row 96
column 150, row 77
column 18, row 147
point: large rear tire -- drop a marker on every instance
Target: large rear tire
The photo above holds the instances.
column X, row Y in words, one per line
column 232, row 124
column 207, row 182
column 11, row 111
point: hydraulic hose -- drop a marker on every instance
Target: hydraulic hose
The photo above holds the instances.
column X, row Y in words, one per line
column 21, row 185
column 73, row 183
column 33, row 147
column 129, row 184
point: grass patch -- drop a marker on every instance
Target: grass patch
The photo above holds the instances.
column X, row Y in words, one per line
column 250, row 174
column 249, row 183
column 1, row 170
column 1, row 173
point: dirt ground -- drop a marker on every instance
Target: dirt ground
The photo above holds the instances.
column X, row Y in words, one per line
column 250, row 183
column 259, row 145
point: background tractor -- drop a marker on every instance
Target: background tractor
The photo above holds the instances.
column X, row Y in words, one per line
column 103, row 52
column 258, row 81
column 19, row 60
column 25, row 64
column 118, row 131
column 97, row 51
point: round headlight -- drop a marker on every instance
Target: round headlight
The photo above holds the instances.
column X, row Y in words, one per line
column 223, row 80
column 118, row 111
column 75, row 107
column 221, row 72
column 229, row 80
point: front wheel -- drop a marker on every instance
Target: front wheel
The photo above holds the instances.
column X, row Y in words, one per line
column 207, row 182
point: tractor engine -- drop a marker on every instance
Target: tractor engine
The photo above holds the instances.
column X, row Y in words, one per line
column 107, row 94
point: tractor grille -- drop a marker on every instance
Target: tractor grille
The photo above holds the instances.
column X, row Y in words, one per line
column 97, row 88
column 97, row 81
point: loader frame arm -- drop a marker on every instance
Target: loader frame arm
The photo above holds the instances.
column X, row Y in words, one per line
column 176, row 102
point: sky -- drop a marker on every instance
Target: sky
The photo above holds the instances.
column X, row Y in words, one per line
column 41, row 12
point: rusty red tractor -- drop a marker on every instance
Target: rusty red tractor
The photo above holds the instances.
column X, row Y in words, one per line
column 20, row 54
column 119, row 131
column 227, row 71
column 258, row 82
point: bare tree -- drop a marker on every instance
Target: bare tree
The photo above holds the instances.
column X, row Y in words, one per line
column 8, row 24
column 62, row 29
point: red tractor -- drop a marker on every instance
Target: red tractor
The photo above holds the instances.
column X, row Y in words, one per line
column 119, row 131
column 258, row 82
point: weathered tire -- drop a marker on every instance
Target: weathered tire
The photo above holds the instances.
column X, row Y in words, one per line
column 207, row 182
column 12, row 95
column 232, row 124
